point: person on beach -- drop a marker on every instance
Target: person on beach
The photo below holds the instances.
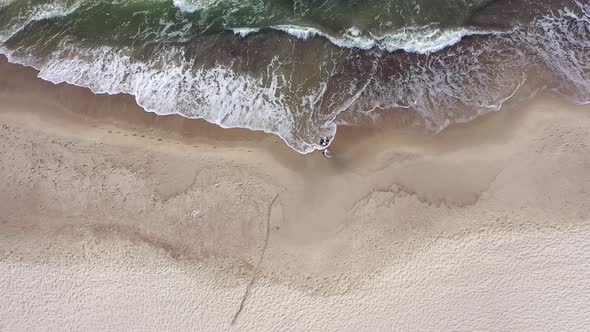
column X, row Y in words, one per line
column 324, row 142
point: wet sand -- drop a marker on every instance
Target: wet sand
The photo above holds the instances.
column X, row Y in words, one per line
column 113, row 218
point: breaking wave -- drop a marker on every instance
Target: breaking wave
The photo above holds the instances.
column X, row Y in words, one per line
column 299, row 82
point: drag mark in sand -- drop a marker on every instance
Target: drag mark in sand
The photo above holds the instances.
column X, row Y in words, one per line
column 247, row 292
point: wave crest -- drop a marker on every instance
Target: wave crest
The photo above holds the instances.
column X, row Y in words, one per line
column 421, row 40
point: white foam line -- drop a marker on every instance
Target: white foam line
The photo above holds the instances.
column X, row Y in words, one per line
column 422, row 40
column 191, row 6
column 173, row 90
column 490, row 108
column 243, row 32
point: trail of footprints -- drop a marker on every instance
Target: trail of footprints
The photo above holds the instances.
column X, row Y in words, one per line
column 148, row 137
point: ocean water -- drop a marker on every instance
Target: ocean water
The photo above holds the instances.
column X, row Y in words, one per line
column 299, row 68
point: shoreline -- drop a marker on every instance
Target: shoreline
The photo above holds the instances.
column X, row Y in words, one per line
column 121, row 110
column 242, row 82
column 92, row 183
column 57, row 111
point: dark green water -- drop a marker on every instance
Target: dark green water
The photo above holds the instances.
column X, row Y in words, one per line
column 125, row 22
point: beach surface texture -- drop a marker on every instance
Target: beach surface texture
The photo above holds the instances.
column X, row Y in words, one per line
column 112, row 218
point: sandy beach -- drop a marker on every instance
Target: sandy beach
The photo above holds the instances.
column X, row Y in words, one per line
column 112, row 218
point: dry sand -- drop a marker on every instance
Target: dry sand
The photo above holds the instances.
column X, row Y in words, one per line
column 115, row 219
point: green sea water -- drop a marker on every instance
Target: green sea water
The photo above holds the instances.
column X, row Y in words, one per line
column 134, row 21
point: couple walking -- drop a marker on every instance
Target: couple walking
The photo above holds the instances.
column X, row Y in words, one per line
column 324, row 142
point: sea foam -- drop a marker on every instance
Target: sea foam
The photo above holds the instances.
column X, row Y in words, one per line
column 478, row 77
column 243, row 32
column 166, row 87
column 421, row 40
column 191, row 6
